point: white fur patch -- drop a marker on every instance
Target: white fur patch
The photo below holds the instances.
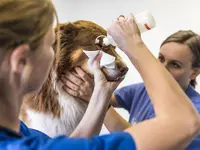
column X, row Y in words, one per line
column 72, row 111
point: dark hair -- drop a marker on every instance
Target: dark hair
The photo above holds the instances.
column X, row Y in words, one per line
column 192, row 40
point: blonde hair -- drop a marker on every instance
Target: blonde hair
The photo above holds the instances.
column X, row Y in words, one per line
column 25, row 21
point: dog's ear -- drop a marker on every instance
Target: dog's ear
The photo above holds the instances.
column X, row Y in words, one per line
column 69, row 29
column 66, row 27
column 68, row 33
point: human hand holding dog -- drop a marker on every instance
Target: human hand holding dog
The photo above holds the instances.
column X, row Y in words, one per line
column 78, row 84
column 94, row 116
column 100, row 80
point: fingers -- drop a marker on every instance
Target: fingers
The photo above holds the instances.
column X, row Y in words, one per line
column 70, row 91
column 79, row 93
column 133, row 25
column 86, row 89
column 74, row 78
column 70, row 84
column 75, row 73
column 96, row 61
column 99, row 77
column 84, row 76
column 96, row 64
column 131, row 19
column 121, row 18
column 131, row 16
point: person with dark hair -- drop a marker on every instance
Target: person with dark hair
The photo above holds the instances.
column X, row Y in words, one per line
column 180, row 55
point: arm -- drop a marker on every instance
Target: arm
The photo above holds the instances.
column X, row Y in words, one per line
column 93, row 118
column 114, row 122
column 168, row 130
column 83, row 86
column 114, row 102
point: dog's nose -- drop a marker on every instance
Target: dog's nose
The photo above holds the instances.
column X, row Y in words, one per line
column 123, row 70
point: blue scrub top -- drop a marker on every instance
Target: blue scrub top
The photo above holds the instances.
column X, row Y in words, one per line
column 32, row 139
column 134, row 98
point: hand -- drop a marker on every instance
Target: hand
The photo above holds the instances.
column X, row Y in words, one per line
column 125, row 33
column 78, row 84
column 100, row 79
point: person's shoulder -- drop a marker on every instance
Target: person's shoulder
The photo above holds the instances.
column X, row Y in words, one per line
column 136, row 86
column 194, row 96
column 117, row 141
column 132, row 89
column 25, row 131
column 192, row 93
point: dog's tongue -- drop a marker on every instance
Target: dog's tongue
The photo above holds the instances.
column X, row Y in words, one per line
column 107, row 60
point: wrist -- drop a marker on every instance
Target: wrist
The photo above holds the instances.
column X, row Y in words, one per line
column 135, row 51
column 101, row 87
column 134, row 45
column 106, row 91
column 102, row 91
column 101, row 99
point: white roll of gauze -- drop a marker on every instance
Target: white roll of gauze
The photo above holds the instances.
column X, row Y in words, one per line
column 107, row 60
column 145, row 22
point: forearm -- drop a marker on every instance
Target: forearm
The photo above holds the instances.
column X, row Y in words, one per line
column 114, row 102
column 114, row 122
column 157, row 134
column 92, row 121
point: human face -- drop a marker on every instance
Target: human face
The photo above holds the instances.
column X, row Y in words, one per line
column 41, row 63
column 177, row 59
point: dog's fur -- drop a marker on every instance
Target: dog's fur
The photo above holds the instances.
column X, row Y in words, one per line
column 52, row 110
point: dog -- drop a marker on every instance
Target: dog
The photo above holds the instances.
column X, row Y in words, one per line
column 52, row 110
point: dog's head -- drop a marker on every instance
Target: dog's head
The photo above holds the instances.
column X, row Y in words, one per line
column 81, row 35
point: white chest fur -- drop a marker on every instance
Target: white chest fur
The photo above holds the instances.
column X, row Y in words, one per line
column 72, row 111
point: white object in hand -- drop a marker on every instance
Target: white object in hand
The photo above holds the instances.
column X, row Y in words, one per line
column 107, row 60
column 145, row 22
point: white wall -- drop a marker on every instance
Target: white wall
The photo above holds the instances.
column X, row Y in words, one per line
column 171, row 15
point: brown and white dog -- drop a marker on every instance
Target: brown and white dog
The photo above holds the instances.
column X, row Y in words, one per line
column 52, row 110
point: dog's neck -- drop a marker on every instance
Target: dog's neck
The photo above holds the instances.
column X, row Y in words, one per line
column 51, row 99
column 57, row 110
column 46, row 100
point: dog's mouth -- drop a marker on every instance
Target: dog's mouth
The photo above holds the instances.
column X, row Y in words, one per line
column 116, row 75
column 124, row 71
column 123, row 74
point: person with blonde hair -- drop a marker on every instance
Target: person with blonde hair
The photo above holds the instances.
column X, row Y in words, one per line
column 26, row 57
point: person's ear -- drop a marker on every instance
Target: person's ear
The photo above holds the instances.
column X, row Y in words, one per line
column 19, row 57
column 195, row 73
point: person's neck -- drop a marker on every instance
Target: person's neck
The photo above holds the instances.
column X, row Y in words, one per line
column 9, row 113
